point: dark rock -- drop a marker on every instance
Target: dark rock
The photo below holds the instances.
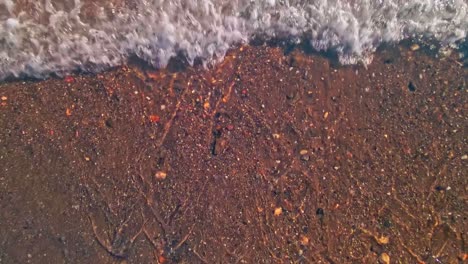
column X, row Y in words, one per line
column 411, row 87
column 320, row 213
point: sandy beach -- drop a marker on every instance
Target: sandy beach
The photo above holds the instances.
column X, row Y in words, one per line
column 268, row 157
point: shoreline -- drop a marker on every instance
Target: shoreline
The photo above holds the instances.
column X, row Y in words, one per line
column 265, row 157
column 178, row 63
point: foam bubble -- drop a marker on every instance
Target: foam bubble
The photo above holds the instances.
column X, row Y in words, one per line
column 58, row 37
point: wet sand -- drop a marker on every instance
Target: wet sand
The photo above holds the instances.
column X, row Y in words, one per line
column 266, row 158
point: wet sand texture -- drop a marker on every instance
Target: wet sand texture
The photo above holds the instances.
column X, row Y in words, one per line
column 266, row 158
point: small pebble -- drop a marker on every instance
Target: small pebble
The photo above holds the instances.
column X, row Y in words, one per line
column 278, row 211
column 154, row 118
column 4, row 98
column 69, row 79
column 160, row 175
column 384, row 258
column 276, row 136
column 414, row 47
column 303, row 152
column 383, row 240
column 320, row 212
column 464, row 157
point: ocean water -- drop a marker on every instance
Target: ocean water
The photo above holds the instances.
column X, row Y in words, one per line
column 43, row 37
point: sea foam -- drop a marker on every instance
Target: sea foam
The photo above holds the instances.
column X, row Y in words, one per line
column 47, row 37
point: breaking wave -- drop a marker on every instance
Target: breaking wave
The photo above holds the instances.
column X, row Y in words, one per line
column 40, row 38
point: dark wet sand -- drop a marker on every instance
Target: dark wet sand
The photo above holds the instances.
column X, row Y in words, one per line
column 267, row 158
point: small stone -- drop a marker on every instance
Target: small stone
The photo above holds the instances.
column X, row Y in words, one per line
column 411, row 87
column 464, row 157
column 160, row 175
column 325, row 115
column 290, row 96
column 154, row 118
column 304, row 240
column 278, row 211
column 303, row 152
column 384, row 258
column 383, row 240
column 4, row 98
column 320, row 212
column 276, row 136
column 87, row 158
column 108, row 123
column 69, row 79
column 414, row 47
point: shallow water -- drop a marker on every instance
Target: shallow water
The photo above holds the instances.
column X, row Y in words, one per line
column 277, row 158
column 39, row 38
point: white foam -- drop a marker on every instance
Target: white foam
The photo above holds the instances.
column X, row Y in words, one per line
column 47, row 39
